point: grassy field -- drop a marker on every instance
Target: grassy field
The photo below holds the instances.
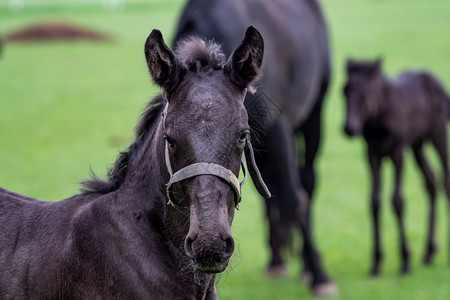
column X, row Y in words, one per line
column 68, row 107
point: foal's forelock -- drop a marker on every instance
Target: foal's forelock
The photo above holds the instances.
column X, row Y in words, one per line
column 196, row 54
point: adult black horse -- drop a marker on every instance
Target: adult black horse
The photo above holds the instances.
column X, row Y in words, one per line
column 120, row 239
column 292, row 89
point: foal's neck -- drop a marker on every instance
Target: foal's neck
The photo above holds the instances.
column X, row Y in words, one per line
column 380, row 88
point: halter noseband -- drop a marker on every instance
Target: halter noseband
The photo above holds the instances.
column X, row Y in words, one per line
column 201, row 168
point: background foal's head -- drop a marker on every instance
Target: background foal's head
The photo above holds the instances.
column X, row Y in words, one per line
column 362, row 92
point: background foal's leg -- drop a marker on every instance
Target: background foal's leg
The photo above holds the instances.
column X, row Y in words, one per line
column 440, row 142
column 397, row 159
column 431, row 188
column 375, row 162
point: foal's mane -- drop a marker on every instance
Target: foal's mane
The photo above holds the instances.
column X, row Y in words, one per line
column 125, row 160
column 196, row 55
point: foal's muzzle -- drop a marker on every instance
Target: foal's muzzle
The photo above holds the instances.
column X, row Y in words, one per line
column 212, row 259
column 352, row 127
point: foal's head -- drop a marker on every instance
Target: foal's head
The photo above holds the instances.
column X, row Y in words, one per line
column 361, row 91
column 205, row 121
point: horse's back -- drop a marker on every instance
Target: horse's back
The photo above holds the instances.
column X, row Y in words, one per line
column 78, row 248
column 5, row 194
column 421, row 89
column 34, row 236
column 296, row 55
column 15, row 208
column 38, row 254
column 418, row 96
column 20, row 235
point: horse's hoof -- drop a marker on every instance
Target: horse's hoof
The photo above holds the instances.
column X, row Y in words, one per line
column 374, row 272
column 276, row 271
column 405, row 269
column 306, row 277
column 429, row 255
column 427, row 260
column 327, row 289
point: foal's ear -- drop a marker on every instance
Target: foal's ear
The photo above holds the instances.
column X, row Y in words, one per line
column 375, row 67
column 244, row 65
column 378, row 62
column 165, row 68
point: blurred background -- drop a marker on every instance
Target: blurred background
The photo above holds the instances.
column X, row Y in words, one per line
column 67, row 107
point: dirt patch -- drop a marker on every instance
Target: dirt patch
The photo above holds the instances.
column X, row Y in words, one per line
column 54, row 31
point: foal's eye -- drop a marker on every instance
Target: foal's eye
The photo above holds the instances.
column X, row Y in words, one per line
column 243, row 138
column 169, row 141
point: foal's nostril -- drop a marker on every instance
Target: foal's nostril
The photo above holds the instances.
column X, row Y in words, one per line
column 188, row 247
column 229, row 247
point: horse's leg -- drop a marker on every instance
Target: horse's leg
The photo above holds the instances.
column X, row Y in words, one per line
column 397, row 199
column 277, row 166
column 440, row 142
column 312, row 135
column 375, row 163
column 277, row 238
column 276, row 267
column 431, row 188
column 281, row 142
column 311, row 130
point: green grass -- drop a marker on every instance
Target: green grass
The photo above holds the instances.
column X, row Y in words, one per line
column 69, row 107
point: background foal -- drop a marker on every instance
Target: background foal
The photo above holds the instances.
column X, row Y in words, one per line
column 392, row 115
